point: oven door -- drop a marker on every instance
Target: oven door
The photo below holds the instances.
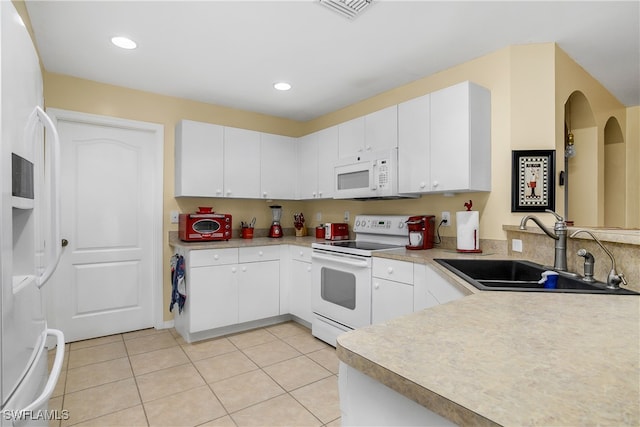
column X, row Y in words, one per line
column 341, row 288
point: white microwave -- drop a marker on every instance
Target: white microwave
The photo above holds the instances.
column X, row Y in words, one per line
column 368, row 176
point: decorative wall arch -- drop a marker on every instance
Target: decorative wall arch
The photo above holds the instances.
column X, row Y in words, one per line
column 615, row 172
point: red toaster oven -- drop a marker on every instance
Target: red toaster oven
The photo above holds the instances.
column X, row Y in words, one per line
column 202, row 227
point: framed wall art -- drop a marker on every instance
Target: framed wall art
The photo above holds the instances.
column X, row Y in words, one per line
column 532, row 181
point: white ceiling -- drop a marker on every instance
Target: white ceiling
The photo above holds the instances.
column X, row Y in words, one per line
column 231, row 52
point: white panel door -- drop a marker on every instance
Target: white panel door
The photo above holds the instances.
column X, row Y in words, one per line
column 104, row 283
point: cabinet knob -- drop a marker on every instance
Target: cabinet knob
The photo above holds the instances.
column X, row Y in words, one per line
column 216, row 257
column 233, row 269
column 368, row 148
column 228, row 192
column 319, row 193
column 390, row 270
column 376, row 286
column 436, row 183
column 309, row 268
column 260, row 253
column 264, row 194
column 218, row 191
column 301, row 253
column 244, row 269
column 313, row 194
column 423, row 184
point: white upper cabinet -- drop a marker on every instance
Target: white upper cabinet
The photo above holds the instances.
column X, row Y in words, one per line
column 373, row 132
column 327, row 158
column 277, row 166
column 317, row 154
column 241, row 163
column 444, row 141
column 414, row 170
column 351, row 138
column 461, row 139
column 198, row 159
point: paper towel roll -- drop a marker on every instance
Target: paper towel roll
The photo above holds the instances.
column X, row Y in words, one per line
column 468, row 223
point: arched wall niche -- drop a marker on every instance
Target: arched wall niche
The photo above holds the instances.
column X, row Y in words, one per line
column 581, row 188
column 615, row 172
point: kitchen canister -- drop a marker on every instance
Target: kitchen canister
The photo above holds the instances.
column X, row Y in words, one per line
column 468, row 230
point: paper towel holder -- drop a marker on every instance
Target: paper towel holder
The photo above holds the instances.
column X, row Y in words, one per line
column 467, row 223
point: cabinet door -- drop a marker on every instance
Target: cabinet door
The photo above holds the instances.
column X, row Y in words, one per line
column 259, row 290
column 327, row 158
column 212, row 293
column 301, row 290
column 307, row 165
column 277, row 166
column 381, row 129
column 351, row 138
column 413, row 145
column 460, row 138
column 198, row 159
column 390, row 299
column 241, row 163
column 431, row 289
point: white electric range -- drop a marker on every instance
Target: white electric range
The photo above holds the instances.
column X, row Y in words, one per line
column 341, row 274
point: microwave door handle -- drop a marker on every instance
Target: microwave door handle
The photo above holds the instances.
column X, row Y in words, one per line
column 373, row 172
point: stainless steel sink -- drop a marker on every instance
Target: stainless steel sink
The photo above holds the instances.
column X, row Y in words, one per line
column 520, row 276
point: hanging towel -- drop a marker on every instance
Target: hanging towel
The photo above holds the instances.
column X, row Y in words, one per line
column 178, row 283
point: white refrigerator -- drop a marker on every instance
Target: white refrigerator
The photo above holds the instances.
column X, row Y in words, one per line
column 29, row 234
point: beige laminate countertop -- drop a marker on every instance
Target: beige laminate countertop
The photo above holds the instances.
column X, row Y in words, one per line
column 511, row 358
column 500, row 358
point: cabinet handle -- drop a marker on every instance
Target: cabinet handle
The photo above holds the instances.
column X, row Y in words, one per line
column 390, row 270
column 368, row 148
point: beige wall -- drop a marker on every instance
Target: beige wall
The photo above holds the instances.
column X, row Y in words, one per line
column 523, row 82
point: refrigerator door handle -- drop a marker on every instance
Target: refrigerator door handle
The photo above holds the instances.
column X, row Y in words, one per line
column 53, row 376
column 54, row 193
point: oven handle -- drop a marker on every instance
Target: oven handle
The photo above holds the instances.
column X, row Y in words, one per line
column 341, row 260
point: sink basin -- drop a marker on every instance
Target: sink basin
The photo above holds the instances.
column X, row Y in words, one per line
column 520, row 276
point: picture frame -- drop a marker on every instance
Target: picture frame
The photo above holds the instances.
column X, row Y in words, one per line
column 533, row 180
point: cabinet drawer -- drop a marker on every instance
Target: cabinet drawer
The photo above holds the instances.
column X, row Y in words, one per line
column 398, row 271
column 205, row 257
column 260, row 253
column 300, row 253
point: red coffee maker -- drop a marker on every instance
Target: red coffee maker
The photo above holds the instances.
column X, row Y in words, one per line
column 421, row 229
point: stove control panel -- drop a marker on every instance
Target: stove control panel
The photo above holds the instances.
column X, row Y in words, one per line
column 381, row 224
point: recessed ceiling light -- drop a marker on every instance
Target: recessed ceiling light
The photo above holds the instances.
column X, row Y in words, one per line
column 282, row 86
column 124, row 42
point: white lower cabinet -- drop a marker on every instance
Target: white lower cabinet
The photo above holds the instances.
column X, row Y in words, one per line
column 431, row 289
column 392, row 293
column 258, row 290
column 229, row 286
column 300, row 291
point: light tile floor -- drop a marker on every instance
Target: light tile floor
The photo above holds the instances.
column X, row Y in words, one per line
column 273, row 376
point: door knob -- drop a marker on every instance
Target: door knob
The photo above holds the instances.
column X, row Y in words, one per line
column 64, row 242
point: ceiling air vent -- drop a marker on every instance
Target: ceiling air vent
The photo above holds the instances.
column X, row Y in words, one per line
column 348, row 8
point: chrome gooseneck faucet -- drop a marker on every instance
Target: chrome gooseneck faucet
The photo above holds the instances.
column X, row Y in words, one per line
column 559, row 234
column 613, row 278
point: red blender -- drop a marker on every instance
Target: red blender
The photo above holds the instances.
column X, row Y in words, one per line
column 276, row 228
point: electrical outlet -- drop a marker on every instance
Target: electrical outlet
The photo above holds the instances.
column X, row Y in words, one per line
column 174, row 217
column 446, row 216
column 346, row 216
column 516, row 245
column 319, row 216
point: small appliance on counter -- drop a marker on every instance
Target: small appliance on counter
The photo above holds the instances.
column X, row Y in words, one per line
column 468, row 230
column 336, row 231
column 204, row 226
column 421, row 229
column 276, row 229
